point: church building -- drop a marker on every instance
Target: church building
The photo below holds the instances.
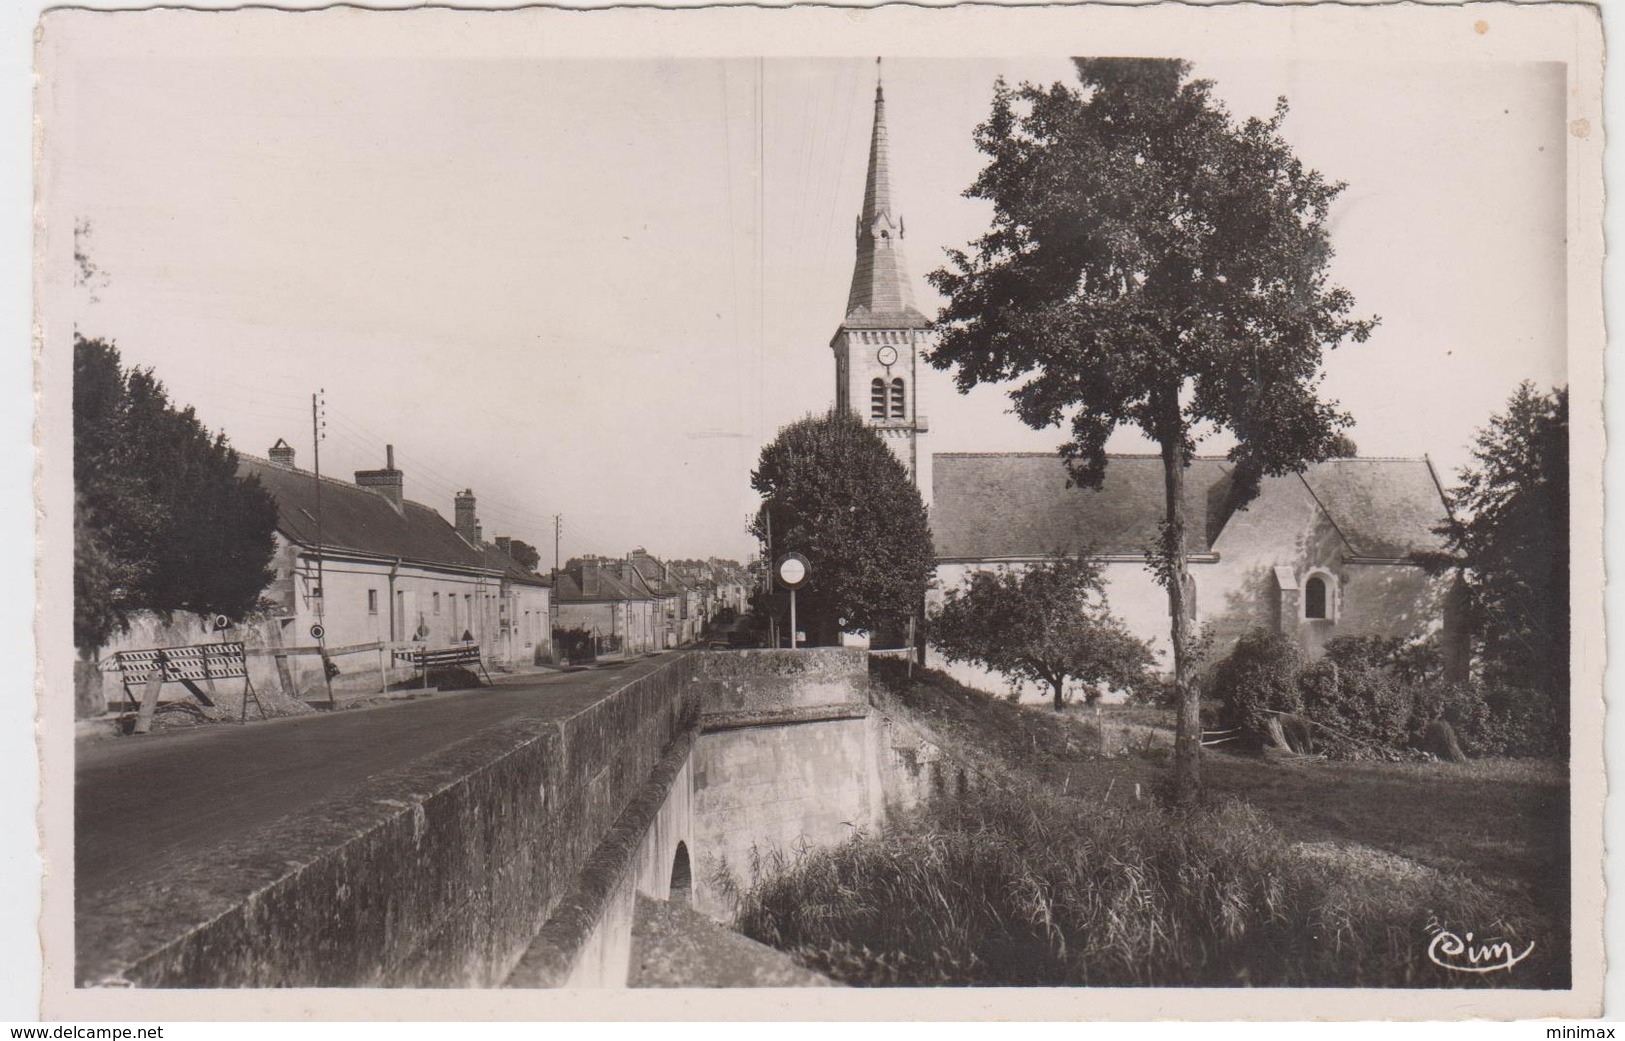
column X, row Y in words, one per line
column 1316, row 555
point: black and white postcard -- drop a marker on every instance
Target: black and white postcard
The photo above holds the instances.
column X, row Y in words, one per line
column 1063, row 512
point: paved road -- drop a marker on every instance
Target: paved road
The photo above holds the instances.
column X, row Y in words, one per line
column 146, row 805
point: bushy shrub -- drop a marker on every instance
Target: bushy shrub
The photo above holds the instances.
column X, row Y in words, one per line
column 1352, row 692
column 1491, row 719
column 1259, row 677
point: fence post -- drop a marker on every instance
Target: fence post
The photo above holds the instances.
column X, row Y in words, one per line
column 149, row 697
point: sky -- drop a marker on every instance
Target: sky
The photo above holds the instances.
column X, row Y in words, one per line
column 597, row 288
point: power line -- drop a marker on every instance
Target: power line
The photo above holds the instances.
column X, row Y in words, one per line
column 492, row 506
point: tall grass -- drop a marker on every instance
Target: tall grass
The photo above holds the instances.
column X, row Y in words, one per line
column 1017, row 886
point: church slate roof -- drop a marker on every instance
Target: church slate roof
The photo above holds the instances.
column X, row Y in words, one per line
column 1018, row 505
column 990, row 506
column 1384, row 508
column 359, row 520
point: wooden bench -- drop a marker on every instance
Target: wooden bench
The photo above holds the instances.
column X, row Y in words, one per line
column 190, row 665
column 424, row 659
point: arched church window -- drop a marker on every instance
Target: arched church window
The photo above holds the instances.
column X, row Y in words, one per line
column 1314, row 598
column 877, row 398
column 897, row 399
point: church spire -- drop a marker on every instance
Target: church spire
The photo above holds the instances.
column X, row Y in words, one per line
column 877, row 189
column 880, row 277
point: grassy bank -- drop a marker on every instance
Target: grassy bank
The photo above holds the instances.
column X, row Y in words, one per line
column 1323, row 875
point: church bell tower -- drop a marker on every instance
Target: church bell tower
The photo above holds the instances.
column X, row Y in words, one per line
column 878, row 343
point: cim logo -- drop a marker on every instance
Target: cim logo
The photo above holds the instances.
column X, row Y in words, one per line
column 1461, row 953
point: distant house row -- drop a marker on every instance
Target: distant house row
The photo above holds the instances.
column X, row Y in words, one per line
column 374, row 569
column 638, row 603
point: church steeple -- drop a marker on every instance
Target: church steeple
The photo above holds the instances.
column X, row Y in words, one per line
column 880, row 278
column 877, row 346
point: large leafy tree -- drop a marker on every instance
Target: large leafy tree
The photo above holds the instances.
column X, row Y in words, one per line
column 1508, row 538
column 1154, row 263
column 162, row 521
column 1047, row 622
column 836, row 494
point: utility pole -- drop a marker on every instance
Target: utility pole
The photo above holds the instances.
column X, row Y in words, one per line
column 318, row 426
column 558, row 531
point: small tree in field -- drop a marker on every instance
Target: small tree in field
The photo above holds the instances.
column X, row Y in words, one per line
column 836, row 494
column 1048, row 623
column 1156, row 264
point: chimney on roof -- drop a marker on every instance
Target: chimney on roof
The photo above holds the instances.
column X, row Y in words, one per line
column 505, row 544
column 589, row 576
column 468, row 525
column 281, row 454
column 387, row 482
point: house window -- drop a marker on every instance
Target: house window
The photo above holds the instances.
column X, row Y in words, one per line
column 372, row 601
column 897, row 401
column 877, row 398
column 1314, row 598
column 437, row 603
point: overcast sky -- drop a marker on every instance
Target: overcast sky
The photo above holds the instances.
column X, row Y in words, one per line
column 597, row 287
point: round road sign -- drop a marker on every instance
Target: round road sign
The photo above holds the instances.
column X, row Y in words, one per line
column 792, row 570
column 317, row 632
column 221, row 622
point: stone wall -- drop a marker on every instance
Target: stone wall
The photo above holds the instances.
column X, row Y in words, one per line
column 793, row 755
column 771, row 686
column 436, row 875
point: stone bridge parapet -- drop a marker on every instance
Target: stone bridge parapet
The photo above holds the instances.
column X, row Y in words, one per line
column 437, row 875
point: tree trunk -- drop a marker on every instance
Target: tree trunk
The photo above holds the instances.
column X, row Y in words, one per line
column 1188, row 725
column 1059, row 703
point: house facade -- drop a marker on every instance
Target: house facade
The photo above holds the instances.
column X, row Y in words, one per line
column 680, row 607
column 524, row 634
column 590, row 595
column 1316, row 555
column 370, row 565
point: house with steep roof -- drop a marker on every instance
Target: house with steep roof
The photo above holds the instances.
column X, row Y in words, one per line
column 1316, row 555
column 680, row 607
column 370, row 565
column 591, row 594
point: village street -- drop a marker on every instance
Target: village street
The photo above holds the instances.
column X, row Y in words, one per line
column 145, row 807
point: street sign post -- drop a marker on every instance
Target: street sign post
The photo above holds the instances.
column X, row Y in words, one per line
column 793, row 571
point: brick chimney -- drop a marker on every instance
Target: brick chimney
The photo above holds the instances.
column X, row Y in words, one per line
column 387, row 482
column 468, row 525
column 281, row 454
column 590, row 584
column 505, row 544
